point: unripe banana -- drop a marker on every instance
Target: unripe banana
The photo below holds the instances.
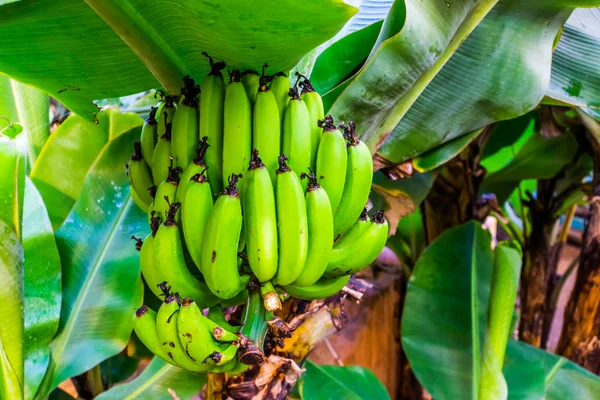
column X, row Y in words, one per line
column 280, row 85
column 138, row 200
column 144, row 326
column 215, row 314
column 320, row 233
column 149, row 136
column 197, row 338
column 184, row 135
column 195, row 212
column 211, row 123
column 166, row 193
column 324, row 287
column 195, row 167
column 140, row 176
column 250, row 80
column 314, row 104
column 368, row 246
column 292, row 225
column 161, row 159
column 168, row 334
column 219, row 249
column 266, row 128
column 237, row 129
column 352, row 237
column 296, row 133
column 332, row 160
column 260, row 220
column 359, row 177
column 166, row 114
column 149, row 271
column 170, row 262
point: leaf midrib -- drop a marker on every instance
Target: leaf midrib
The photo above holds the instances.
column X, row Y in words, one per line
column 158, row 374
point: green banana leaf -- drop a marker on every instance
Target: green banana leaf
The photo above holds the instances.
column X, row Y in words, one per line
column 428, row 83
column 432, row 159
column 42, row 288
column 563, row 378
column 101, row 277
column 13, row 160
column 576, row 61
column 445, row 311
column 525, row 376
column 539, row 158
column 154, row 42
column 8, row 109
column 67, row 156
column 156, row 381
column 33, row 110
column 507, row 134
column 11, row 318
column 321, row 382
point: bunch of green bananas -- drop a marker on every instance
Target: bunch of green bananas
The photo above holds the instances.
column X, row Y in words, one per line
column 229, row 186
column 181, row 335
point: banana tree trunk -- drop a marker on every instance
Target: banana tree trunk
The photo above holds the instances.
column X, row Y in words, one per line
column 579, row 340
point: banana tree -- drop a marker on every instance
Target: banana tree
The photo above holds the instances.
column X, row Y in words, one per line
column 421, row 80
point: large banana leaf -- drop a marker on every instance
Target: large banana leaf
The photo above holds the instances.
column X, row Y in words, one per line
column 67, row 156
column 101, row 276
column 13, row 160
column 156, row 381
column 154, row 42
column 443, row 323
column 42, row 288
column 322, row 382
column 8, row 109
column 428, row 83
column 576, row 63
column 11, row 318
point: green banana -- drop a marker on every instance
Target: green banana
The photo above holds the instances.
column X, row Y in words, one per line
column 332, row 160
column 266, row 126
column 168, row 334
column 195, row 167
column 144, row 326
column 250, row 80
column 184, row 135
column 140, row 176
column 196, row 335
column 237, row 130
column 359, row 177
column 280, row 85
column 320, row 233
column 219, row 248
column 161, row 159
column 211, row 122
column 165, row 116
column 296, row 133
column 292, row 225
column 352, row 237
column 147, row 264
column 215, row 314
column 260, row 220
column 324, row 287
column 170, row 265
column 138, row 200
column 166, row 192
column 149, row 136
column 314, row 103
column 195, row 212
column 354, row 258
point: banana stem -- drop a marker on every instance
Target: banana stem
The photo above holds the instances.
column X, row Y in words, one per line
column 94, row 380
column 214, row 386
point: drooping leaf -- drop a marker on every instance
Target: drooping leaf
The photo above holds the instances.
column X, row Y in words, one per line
column 333, row 382
column 439, row 155
column 539, row 158
column 525, row 376
column 369, row 12
column 156, row 42
column 564, row 379
column 450, row 281
column 506, row 133
column 11, row 318
column 67, row 156
column 156, row 381
column 101, row 274
column 33, row 110
column 42, row 288
column 576, row 61
column 343, row 57
column 427, row 83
